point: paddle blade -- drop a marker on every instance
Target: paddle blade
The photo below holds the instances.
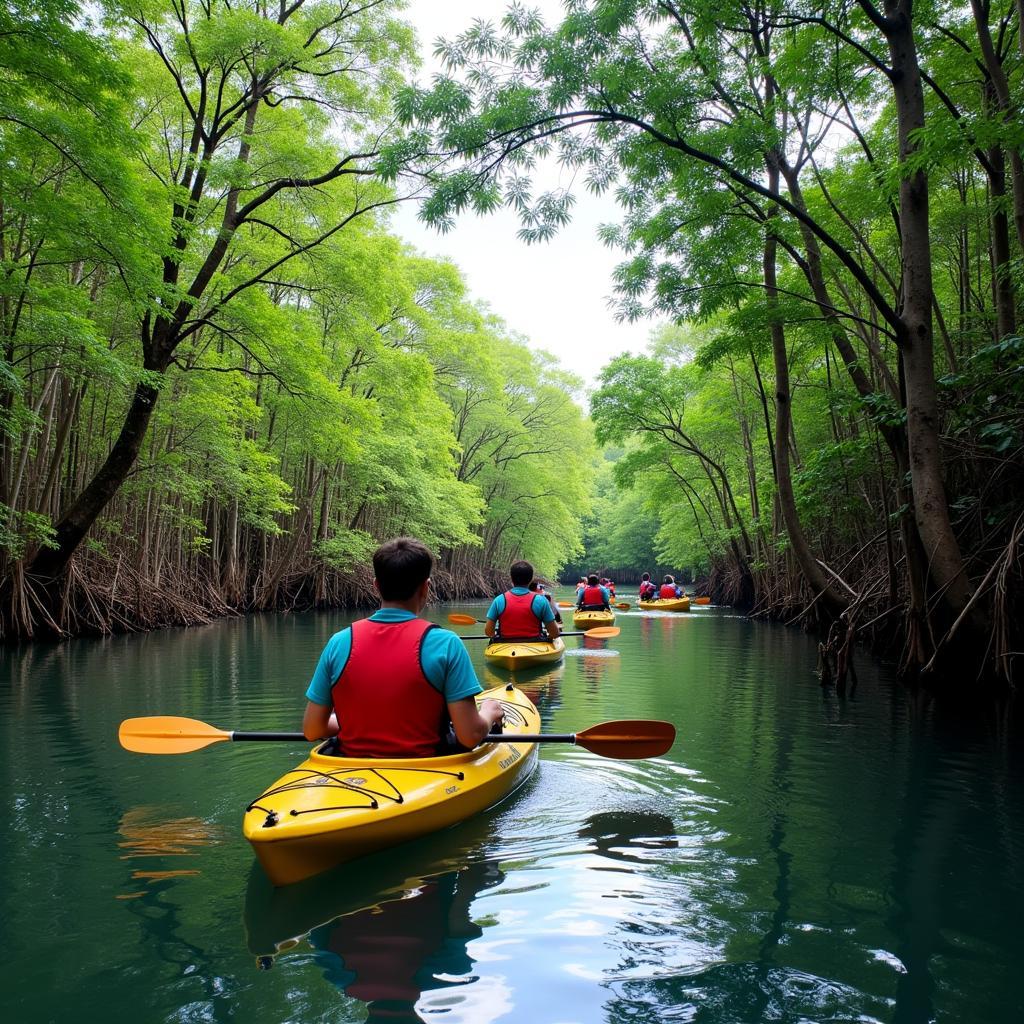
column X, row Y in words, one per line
column 605, row 632
column 461, row 620
column 624, row 605
column 566, row 604
column 702, row 600
column 628, row 740
column 164, row 734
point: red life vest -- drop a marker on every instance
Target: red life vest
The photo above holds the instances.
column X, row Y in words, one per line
column 518, row 619
column 385, row 704
column 647, row 589
column 667, row 592
column 592, row 596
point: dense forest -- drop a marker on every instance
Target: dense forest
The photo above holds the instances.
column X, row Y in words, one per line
column 827, row 199
column 222, row 379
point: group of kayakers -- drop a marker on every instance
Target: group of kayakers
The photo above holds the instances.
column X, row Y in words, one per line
column 389, row 685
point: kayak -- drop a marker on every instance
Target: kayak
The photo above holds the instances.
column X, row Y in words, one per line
column 524, row 653
column 329, row 809
column 675, row 604
column 591, row 620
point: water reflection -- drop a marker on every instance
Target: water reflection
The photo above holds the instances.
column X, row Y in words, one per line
column 380, row 936
column 541, row 684
column 146, row 833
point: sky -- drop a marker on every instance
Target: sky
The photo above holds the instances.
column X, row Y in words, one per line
column 554, row 293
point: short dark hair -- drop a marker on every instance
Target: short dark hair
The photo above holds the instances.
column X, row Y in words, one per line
column 401, row 565
column 646, row 576
column 521, row 573
column 668, row 579
column 593, row 579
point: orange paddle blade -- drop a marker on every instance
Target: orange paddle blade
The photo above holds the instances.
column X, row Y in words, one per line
column 629, row 739
column 566, row 604
column 624, row 605
column 607, row 632
column 462, row 620
column 702, row 600
column 165, row 734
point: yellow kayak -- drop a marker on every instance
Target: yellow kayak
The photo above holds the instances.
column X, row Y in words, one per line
column 333, row 809
column 524, row 653
column 591, row 620
column 675, row 604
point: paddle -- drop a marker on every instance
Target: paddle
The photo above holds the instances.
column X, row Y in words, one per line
column 624, row 605
column 597, row 633
column 627, row 740
column 467, row 620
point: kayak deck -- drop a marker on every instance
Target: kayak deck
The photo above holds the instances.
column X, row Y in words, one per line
column 329, row 810
column 514, row 654
column 591, row 620
column 676, row 604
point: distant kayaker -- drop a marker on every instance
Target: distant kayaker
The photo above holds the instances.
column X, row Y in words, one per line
column 520, row 613
column 580, row 586
column 669, row 591
column 594, row 597
column 539, row 588
column 388, row 685
column 648, row 591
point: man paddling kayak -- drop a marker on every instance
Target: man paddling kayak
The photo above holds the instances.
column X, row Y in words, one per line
column 594, row 597
column 521, row 613
column 388, row 685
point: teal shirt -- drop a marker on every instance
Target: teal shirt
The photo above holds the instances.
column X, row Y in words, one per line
column 541, row 606
column 444, row 657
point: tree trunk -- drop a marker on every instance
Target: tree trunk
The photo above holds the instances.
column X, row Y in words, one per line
column 916, row 339
column 832, row 601
column 49, row 563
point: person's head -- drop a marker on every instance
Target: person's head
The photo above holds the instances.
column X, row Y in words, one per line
column 400, row 567
column 668, row 579
column 534, row 585
column 521, row 573
column 646, row 576
column 592, row 580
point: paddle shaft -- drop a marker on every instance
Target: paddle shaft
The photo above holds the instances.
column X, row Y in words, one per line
column 527, row 639
column 288, row 737
column 272, row 736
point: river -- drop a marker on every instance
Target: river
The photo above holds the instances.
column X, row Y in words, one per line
column 795, row 857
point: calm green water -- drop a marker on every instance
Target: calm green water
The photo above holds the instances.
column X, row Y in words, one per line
column 796, row 857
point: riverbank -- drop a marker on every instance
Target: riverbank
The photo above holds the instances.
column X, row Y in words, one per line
column 102, row 596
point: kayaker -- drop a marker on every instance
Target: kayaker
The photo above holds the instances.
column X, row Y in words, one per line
column 539, row 587
column 519, row 613
column 669, row 591
column 580, row 586
column 594, row 597
column 388, row 685
column 648, row 591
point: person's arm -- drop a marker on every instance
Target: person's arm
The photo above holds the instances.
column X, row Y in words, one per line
column 472, row 724
column 318, row 722
column 493, row 614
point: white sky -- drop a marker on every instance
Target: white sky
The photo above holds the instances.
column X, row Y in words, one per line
column 555, row 293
